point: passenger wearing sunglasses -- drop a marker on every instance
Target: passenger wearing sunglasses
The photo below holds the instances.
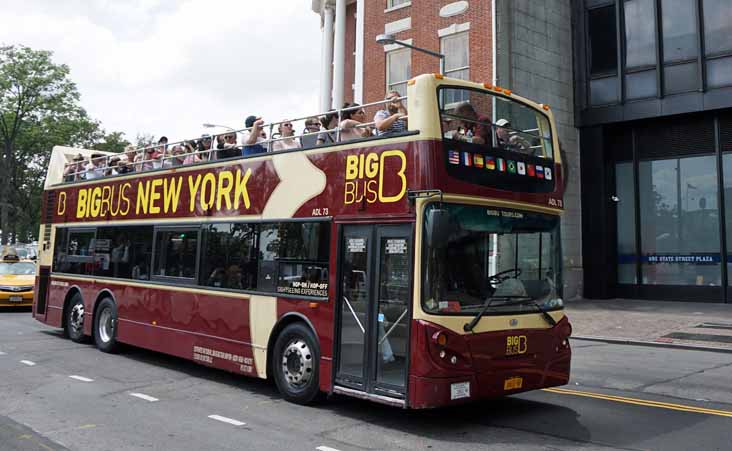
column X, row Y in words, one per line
column 286, row 140
column 309, row 138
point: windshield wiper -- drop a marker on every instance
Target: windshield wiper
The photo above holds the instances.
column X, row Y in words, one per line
column 552, row 322
column 468, row 327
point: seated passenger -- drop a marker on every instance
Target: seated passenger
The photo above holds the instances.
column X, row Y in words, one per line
column 233, row 277
column 392, row 119
column 191, row 153
column 254, row 136
column 309, row 138
column 228, row 147
column 352, row 119
column 74, row 171
column 217, row 278
column 508, row 141
column 112, row 166
column 131, row 154
column 97, row 166
column 328, row 123
column 124, row 166
column 204, row 147
column 472, row 127
column 287, row 136
column 176, row 157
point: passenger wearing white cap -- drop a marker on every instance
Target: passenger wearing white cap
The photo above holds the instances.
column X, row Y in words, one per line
column 505, row 140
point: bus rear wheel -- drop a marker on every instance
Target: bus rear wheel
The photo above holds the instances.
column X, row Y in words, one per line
column 105, row 326
column 295, row 364
column 74, row 326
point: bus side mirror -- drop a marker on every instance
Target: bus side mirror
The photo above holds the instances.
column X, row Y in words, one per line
column 438, row 227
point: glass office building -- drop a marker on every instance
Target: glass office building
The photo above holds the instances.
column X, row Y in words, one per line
column 653, row 82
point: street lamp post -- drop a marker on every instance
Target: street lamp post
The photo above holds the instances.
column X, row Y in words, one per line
column 386, row 39
column 218, row 125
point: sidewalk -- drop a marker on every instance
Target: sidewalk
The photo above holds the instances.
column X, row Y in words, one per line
column 686, row 324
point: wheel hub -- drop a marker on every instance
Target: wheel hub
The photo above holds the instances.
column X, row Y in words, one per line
column 106, row 325
column 297, row 363
column 77, row 317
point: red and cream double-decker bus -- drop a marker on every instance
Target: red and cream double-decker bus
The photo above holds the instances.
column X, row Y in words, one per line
column 418, row 268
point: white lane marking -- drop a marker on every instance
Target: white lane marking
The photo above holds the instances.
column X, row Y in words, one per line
column 2, row 353
column 28, row 362
column 144, row 396
column 226, row 420
column 82, row 378
column 326, row 448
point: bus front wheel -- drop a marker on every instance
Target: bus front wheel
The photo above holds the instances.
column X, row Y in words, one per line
column 75, row 316
column 105, row 326
column 295, row 364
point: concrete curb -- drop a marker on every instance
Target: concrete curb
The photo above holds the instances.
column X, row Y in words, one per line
column 655, row 344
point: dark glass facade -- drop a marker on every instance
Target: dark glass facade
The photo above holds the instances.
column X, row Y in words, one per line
column 654, row 107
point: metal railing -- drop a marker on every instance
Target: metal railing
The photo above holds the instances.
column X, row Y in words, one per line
column 106, row 165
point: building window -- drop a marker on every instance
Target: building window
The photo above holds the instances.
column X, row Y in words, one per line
column 398, row 70
column 640, row 33
column 679, row 30
column 457, row 63
column 680, row 221
column 640, row 49
column 603, row 55
column 395, row 3
column 718, row 42
column 603, row 41
column 717, row 26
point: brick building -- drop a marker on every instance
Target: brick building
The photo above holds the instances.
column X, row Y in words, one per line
column 518, row 44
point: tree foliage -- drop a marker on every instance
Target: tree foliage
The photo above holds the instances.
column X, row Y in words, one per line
column 39, row 108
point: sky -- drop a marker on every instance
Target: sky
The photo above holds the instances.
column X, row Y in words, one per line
column 165, row 67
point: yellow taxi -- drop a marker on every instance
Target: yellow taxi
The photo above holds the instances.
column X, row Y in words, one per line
column 17, row 278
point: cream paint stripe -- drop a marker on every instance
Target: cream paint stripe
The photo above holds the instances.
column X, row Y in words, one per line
column 300, row 181
column 149, row 285
column 262, row 319
column 641, row 402
column 155, row 221
column 198, row 334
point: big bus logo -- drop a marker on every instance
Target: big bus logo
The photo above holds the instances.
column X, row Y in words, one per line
column 375, row 177
column 516, row 344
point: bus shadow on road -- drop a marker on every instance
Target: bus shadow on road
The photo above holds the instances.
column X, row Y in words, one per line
column 511, row 420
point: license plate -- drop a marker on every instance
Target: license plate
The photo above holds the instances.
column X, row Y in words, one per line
column 513, row 383
column 460, row 390
column 16, row 299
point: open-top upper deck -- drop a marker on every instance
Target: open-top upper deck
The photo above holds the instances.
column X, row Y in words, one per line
column 443, row 150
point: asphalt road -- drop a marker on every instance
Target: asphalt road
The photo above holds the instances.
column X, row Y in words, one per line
column 57, row 395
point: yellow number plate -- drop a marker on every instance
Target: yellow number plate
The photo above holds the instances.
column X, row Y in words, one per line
column 513, row 383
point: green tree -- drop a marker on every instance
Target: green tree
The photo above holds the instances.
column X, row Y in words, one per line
column 39, row 108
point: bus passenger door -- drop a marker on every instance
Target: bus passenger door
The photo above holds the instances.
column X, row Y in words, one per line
column 373, row 326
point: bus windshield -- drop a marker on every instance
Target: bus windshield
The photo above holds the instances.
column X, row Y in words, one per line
column 492, row 122
column 508, row 257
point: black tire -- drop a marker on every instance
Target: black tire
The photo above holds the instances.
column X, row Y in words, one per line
column 105, row 326
column 74, row 321
column 295, row 364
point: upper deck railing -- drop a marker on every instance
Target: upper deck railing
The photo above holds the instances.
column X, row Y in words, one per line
column 203, row 149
